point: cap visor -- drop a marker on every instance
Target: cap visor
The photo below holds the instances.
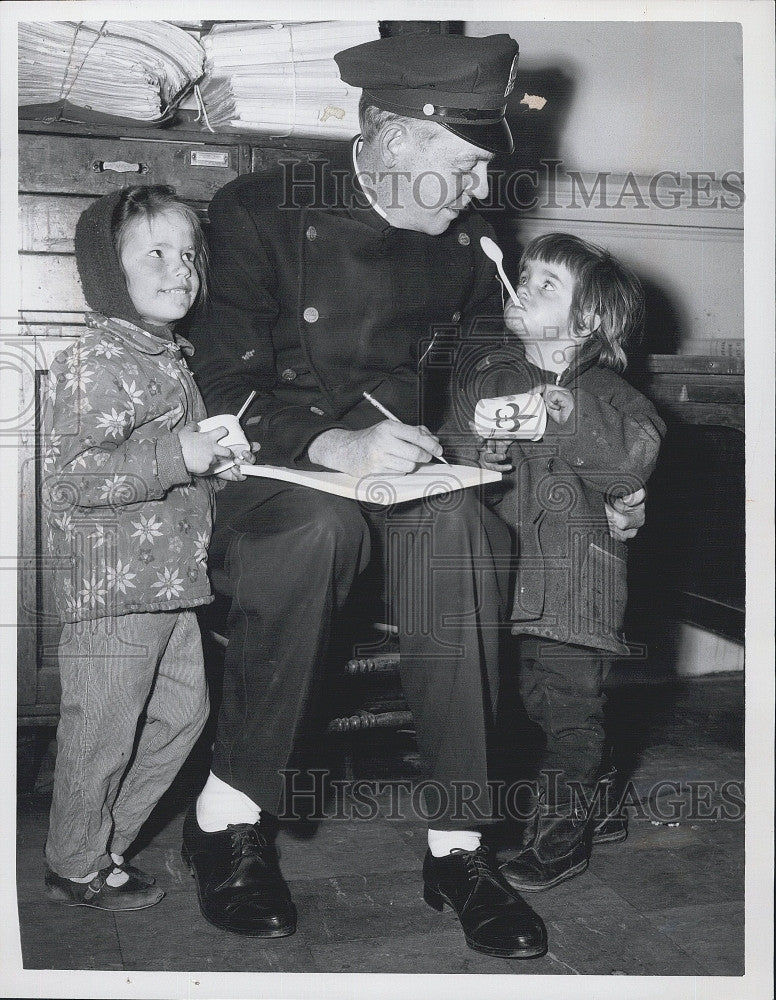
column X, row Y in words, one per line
column 494, row 136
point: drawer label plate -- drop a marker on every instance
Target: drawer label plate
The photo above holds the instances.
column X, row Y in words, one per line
column 209, row 158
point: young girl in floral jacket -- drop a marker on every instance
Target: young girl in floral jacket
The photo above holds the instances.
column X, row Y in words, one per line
column 127, row 516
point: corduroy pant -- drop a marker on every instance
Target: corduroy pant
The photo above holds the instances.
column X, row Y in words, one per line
column 109, row 774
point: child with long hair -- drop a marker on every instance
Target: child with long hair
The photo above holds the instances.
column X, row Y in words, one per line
column 578, row 312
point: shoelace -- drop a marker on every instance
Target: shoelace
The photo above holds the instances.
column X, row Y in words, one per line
column 476, row 862
column 246, row 842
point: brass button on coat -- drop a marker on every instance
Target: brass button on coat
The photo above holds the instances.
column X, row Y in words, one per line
column 288, row 375
column 310, row 315
column 456, row 316
column 312, row 233
column 463, row 239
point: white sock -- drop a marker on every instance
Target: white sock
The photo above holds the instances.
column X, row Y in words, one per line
column 117, row 878
column 84, row 880
column 219, row 805
column 443, row 842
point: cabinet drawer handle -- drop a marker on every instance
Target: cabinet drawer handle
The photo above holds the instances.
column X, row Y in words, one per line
column 120, row 166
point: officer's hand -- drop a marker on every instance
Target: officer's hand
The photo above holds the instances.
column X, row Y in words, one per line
column 389, row 446
column 626, row 515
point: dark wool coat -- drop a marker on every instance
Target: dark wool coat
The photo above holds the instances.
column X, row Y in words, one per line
column 316, row 298
column 572, row 575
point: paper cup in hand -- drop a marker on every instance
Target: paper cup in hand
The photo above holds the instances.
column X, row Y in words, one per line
column 520, row 417
column 234, row 437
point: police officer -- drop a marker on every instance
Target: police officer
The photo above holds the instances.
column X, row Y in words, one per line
column 327, row 282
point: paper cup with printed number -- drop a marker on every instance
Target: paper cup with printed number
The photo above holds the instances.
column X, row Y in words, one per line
column 234, row 437
column 520, row 417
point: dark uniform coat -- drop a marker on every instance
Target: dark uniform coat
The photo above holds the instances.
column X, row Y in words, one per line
column 572, row 575
column 316, row 298
column 320, row 299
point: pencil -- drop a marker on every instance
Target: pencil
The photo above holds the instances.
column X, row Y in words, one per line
column 379, row 406
column 390, row 416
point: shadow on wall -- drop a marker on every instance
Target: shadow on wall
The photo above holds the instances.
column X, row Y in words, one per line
column 537, row 135
column 663, row 327
column 538, row 139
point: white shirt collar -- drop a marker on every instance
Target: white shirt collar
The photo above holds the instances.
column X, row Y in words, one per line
column 358, row 142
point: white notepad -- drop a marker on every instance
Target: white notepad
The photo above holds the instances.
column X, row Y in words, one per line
column 429, row 480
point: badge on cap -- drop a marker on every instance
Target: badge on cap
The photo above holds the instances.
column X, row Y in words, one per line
column 512, row 78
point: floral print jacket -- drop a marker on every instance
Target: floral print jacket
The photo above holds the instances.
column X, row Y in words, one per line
column 125, row 525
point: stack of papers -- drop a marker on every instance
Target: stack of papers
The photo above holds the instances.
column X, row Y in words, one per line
column 128, row 69
column 282, row 78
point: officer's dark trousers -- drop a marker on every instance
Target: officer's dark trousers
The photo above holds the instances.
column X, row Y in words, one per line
column 293, row 555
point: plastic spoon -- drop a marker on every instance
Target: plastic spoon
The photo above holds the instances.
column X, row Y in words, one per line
column 493, row 250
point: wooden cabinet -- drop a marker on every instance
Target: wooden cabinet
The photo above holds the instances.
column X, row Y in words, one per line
column 62, row 169
column 38, row 626
column 95, row 166
column 693, row 543
column 59, row 175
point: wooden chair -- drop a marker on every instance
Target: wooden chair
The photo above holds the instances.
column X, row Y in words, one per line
column 366, row 690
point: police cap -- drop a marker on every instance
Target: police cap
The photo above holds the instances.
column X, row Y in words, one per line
column 460, row 82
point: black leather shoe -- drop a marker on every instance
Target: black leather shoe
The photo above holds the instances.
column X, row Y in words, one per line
column 495, row 920
column 559, row 850
column 239, row 884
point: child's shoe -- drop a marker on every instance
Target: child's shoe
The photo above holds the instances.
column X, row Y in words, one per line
column 611, row 822
column 559, row 849
column 611, row 829
column 134, row 894
column 142, row 877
